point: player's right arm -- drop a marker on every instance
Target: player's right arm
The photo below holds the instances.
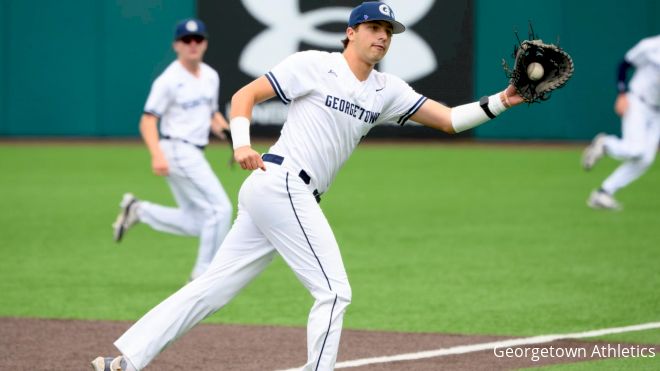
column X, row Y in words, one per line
column 454, row 120
column 149, row 132
column 242, row 103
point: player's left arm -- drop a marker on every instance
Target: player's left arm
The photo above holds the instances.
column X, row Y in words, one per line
column 460, row 118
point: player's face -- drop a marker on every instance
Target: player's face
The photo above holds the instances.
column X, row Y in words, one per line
column 191, row 48
column 372, row 40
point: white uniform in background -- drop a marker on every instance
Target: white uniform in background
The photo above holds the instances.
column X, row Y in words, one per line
column 638, row 144
column 185, row 105
column 330, row 111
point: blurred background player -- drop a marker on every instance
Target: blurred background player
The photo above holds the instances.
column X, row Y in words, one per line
column 639, row 106
column 184, row 98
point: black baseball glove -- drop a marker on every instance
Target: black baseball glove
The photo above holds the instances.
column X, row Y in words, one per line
column 534, row 84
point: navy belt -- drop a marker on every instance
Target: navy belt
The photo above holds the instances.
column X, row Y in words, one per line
column 277, row 159
column 184, row 141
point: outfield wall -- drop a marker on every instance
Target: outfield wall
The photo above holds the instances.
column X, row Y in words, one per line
column 80, row 67
column 83, row 68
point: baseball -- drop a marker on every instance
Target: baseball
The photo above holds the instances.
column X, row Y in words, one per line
column 535, row 71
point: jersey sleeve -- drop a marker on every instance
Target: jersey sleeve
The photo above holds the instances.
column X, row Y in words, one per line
column 295, row 76
column 644, row 52
column 159, row 98
column 401, row 101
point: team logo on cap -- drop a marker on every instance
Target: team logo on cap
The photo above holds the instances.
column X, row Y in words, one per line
column 191, row 26
column 386, row 10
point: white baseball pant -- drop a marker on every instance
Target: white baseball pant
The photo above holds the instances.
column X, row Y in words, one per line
column 277, row 213
column 204, row 210
column 637, row 147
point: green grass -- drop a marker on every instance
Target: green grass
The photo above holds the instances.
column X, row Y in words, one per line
column 494, row 240
column 435, row 238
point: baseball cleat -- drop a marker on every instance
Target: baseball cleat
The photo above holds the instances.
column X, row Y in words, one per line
column 594, row 152
column 118, row 364
column 127, row 216
column 603, row 200
column 100, row 363
column 109, row 364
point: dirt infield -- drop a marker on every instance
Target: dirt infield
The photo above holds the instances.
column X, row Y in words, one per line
column 41, row 344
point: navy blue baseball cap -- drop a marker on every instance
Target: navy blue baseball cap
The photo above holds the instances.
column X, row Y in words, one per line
column 190, row 26
column 374, row 11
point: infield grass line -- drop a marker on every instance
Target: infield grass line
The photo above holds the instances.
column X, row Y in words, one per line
column 463, row 349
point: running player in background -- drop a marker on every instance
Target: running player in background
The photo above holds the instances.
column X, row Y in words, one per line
column 334, row 100
column 184, row 98
column 639, row 106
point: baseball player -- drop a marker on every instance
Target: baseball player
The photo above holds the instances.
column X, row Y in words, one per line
column 639, row 105
column 334, row 100
column 184, row 98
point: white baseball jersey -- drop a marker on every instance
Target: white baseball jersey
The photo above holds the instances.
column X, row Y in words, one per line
column 645, row 56
column 331, row 110
column 185, row 103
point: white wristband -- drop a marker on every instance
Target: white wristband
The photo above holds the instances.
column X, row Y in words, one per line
column 468, row 116
column 240, row 131
column 495, row 104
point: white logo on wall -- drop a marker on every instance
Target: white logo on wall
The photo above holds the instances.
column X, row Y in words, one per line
column 409, row 56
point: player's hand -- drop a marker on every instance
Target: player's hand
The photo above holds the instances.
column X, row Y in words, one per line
column 249, row 158
column 159, row 165
column 621, row 104
column 510, row 97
